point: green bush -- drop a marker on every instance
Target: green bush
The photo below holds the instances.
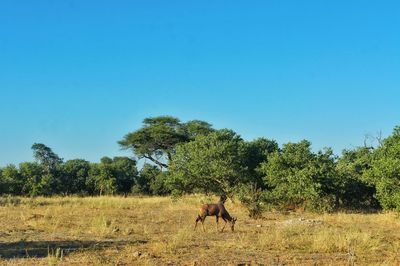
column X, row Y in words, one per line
column 384, row 172
column 297, row 177
column 252, row 198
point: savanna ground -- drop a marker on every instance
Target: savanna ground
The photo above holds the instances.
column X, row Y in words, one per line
column 159, row 231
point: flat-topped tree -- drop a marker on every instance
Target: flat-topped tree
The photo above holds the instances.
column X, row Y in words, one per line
column 158, row 137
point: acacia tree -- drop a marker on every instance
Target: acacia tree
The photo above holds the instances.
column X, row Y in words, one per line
column 210, row 164
column 157, row 139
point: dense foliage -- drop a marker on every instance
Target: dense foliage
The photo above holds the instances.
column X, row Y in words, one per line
column 179, row 158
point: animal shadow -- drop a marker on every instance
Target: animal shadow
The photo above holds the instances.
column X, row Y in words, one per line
column 40, row 249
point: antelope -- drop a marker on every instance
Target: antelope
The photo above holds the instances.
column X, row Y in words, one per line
column 218, row 210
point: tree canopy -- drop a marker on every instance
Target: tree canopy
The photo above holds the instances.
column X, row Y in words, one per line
column 157, row 139
column 209, row 163
column 190, row 157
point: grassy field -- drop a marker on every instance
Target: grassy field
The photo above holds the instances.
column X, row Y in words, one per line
column 159, row 231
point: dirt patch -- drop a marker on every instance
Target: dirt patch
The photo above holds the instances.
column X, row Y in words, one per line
column 302, row 221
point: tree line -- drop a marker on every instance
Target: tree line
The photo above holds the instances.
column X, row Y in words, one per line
column 193, row 157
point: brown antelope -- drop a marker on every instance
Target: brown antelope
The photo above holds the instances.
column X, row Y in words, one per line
column 218, row 210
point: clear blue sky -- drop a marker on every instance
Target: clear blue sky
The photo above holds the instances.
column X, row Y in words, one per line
column 79, row 75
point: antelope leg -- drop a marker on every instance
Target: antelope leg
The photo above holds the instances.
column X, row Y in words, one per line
column 224, row 226
column 197, row 220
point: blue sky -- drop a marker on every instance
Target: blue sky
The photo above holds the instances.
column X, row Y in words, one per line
column 79, row 75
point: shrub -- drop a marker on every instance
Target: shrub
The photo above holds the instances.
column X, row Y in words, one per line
column 252, row 198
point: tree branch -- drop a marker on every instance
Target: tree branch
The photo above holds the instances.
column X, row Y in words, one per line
column 160, row 164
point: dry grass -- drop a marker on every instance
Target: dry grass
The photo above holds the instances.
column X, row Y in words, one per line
column 159, row 231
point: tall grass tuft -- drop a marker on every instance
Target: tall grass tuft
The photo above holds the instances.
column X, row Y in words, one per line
column 54, row 256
